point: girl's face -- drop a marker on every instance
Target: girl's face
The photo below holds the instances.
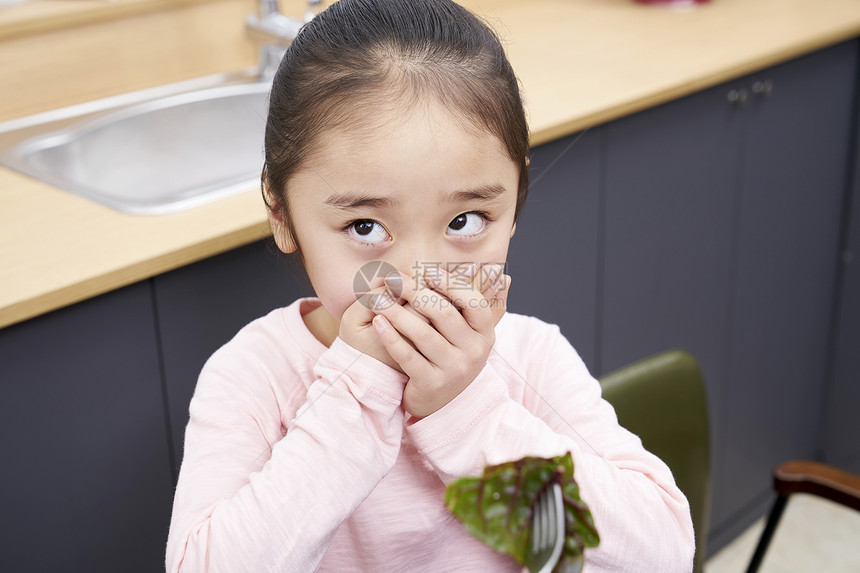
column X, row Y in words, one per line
column 413, row 189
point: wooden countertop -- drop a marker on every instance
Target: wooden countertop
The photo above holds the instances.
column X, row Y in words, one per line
column 29, row 17
column 581, row 63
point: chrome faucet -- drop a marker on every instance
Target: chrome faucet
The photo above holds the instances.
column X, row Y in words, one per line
column 275, row 31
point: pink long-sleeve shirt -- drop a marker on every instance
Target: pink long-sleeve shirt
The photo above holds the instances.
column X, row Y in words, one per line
column 300, row 458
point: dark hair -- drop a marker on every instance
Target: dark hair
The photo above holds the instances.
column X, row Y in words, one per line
column 359, row 52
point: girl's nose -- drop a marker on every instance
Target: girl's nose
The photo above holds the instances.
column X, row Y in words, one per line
column 413, row 273
column 413, row 261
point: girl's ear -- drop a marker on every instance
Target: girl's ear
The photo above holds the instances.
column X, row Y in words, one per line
column 281, row 233
column 277, row 221
column 513, row 229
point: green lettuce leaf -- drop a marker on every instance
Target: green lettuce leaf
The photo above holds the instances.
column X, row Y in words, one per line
column 497, row 507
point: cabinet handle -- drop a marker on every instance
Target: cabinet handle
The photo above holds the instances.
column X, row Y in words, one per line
column 763, row 88
column 737, row 97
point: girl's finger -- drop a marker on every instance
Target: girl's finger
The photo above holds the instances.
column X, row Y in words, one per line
column 394, row 283
column 466, row 298
column 411, row 309
column 422, row 334
column 444, row 318
column 487, row 277
column 499, row 301
column 369, row 302
column 411, row 361
column 493, row 285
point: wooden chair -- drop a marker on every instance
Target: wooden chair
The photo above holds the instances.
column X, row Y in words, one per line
column 805, row 477
column 662, row 399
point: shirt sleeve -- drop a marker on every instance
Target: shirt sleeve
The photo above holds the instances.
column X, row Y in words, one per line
column 642, row 517
column 239, row 495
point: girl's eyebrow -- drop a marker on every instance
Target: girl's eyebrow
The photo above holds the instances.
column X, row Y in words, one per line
column 484, row 192
column 354, row 201
column 349, row 200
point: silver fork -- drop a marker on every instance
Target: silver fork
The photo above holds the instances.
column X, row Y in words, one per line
column 546, row 536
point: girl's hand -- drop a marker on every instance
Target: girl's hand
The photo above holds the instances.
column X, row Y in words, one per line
column 355, row 325
column 443, row 357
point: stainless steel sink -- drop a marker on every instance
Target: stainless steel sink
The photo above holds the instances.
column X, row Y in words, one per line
column 148, row 153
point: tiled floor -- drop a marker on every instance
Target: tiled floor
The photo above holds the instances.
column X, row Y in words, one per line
column 814, row 535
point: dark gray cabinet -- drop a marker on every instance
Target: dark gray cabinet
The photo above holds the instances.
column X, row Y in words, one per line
column 553, row 256
column 721, row 236
column 86, row 482
column 93, row 406
column 793, row 181
column 840, row 443
column 671, row 198
column 202, row 306
column 672, row 191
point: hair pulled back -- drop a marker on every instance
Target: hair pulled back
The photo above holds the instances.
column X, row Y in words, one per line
column 358, row 53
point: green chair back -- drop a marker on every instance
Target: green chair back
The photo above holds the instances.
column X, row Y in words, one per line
column 662, row 399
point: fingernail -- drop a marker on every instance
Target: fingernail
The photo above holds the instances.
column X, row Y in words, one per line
column 380, row 322
column 394, row 281
column 493, row 273
column 499, row 283
column 434, row 274
column 470, row 272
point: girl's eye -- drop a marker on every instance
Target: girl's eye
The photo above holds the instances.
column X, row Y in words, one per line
column 468, row 223
column 367, row 231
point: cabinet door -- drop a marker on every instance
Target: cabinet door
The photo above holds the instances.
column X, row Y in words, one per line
column 86, row 482
column 841, row 422
column 202, row 306
column 795, row 163
column 671, row 194
column 552, row 258
column 671, row 197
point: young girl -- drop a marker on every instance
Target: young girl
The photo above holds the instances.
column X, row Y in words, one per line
column 323, row 435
